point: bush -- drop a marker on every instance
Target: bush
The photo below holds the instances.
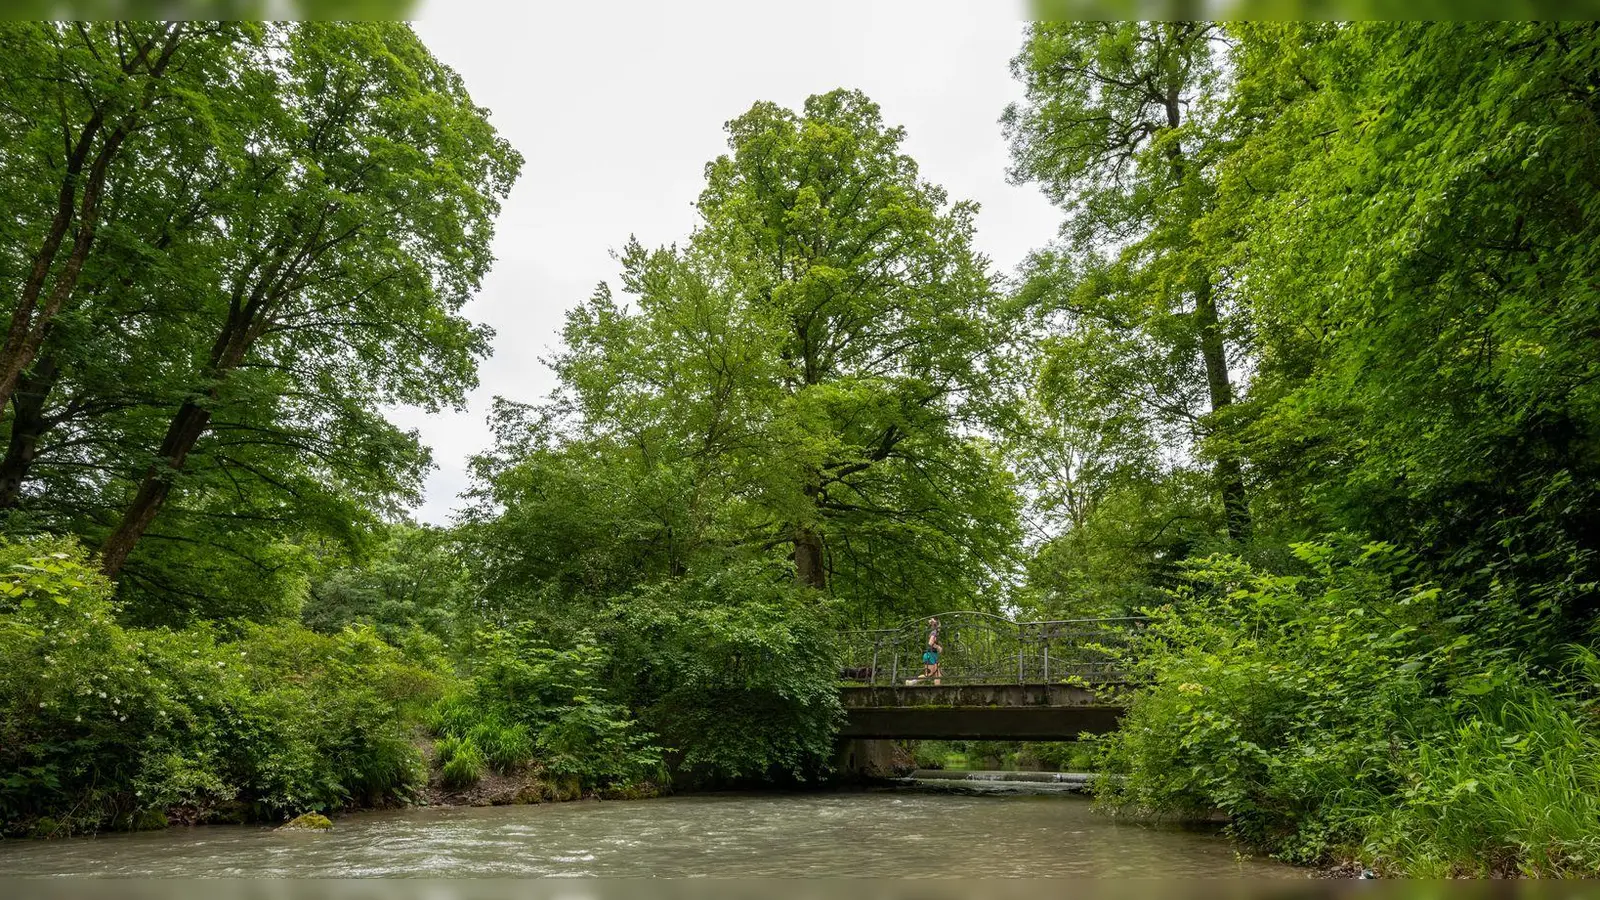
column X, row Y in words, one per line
column 1343, row 714
column 527, row 701
column 103, row 723
column 929, row 754
column 1066, row 756
column 736, row 672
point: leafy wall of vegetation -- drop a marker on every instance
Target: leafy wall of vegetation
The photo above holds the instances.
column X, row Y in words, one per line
column 106, row 725
column 1351, row 270
column 1308, row 374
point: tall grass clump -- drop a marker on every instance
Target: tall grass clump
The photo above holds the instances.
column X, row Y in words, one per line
column 505, row 747
column 1510, row 786
column 462, row 763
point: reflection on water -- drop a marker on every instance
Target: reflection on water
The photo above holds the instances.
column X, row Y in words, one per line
column 875, row 833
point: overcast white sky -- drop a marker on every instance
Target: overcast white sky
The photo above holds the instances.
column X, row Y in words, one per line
column 617, row 107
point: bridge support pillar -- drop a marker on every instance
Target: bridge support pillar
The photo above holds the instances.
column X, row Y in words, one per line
column 865, row 759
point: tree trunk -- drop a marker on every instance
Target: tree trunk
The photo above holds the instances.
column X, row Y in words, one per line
column 808, row 561
column 27, row 426
column 186, row 428
column 1229, row 474
column 1213, row 351
column 809, row 567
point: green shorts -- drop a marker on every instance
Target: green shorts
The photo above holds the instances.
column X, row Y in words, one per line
column 930, row 658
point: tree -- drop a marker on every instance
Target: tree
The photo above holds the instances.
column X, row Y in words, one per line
column 415, row 580
column 1122, row 127
column 1420, row 213
column 806, row 372
column 358, row 221
column 75, row 99
column 271, row 267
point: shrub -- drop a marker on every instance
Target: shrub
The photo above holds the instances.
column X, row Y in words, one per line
column 1343, row 714
column 528, row 701
column 736, row 671
column 1067, row 756
column 929, row 754
column 103, row 723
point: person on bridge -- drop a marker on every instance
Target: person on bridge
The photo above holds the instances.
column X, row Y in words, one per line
column 930, row 656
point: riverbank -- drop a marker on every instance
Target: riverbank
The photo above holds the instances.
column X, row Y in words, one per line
column 525, row 788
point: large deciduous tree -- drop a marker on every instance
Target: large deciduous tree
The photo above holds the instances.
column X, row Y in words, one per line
column 1122, row 127
column 806, row 373
column 357, row 226
column 272, row 267
column 75, row 100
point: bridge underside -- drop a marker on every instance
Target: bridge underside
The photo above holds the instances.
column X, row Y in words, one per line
column 1011, row 712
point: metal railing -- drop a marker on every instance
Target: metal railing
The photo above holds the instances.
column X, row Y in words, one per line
column 982, row 648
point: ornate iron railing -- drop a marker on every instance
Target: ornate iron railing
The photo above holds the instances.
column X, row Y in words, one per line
column 982, row 648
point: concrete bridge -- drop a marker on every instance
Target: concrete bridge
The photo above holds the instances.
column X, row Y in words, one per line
column 997, row 679
column 1011, row 712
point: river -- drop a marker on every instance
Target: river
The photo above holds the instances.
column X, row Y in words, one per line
column 916, row 831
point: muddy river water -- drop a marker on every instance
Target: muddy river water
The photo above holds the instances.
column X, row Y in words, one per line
column 908, row 832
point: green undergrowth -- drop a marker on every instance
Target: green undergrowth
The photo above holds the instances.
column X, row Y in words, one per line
column 1337, row 715
column 107, row 726
column 1043, row 756
column 527, row 703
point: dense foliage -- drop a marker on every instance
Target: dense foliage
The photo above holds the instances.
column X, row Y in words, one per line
column 1388, row 229
column 1308, row 376
column 272, row 239
column 528, row 700
column 774, row 435
column 106, row 725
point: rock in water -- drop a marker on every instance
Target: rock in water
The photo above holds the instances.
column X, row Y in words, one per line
column 308, row 822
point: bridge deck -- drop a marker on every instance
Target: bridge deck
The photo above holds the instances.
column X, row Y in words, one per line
column 1034, row 712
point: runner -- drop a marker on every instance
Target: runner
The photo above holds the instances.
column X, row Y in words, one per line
column 930, row 656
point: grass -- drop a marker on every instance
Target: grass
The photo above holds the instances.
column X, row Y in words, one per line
column 1513, row 789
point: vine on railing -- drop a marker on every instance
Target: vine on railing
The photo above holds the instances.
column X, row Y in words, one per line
column 982, row 648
